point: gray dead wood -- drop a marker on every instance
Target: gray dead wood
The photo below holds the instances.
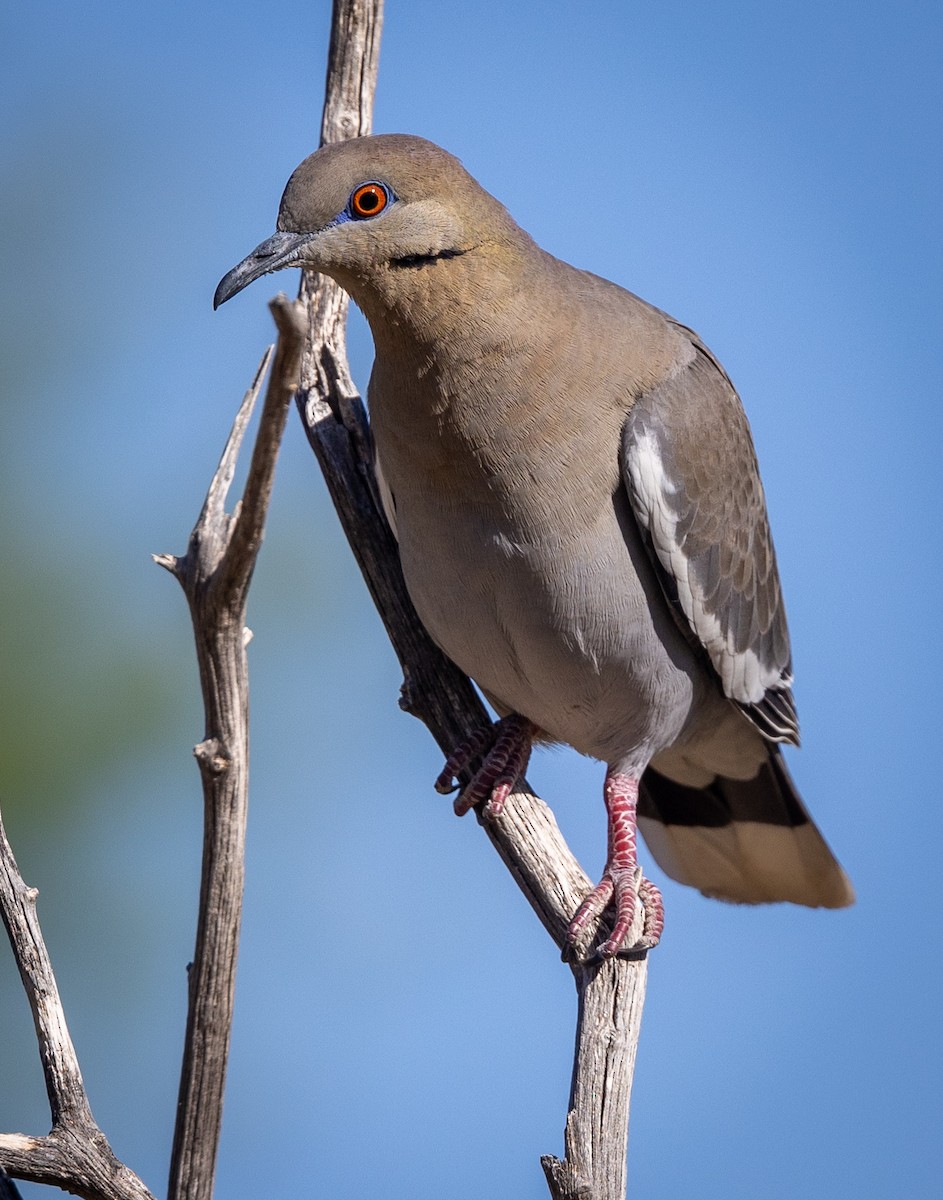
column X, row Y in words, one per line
column 75, row 1154
column 215, row 574
column 610, row 995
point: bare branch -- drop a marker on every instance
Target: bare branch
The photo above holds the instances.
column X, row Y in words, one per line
column 353, row 60
column 611, row 996
column 75, row 1156
column 215, row 574
column 526, row 836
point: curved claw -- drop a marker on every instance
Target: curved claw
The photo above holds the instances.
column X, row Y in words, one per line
column 622, row 881
column 653, row 905
column 627, row 888
column 447, row 779
column 506, row 748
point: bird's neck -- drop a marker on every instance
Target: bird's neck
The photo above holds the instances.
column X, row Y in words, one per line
column 471, row 391
column 450, row 340
column 455, row 297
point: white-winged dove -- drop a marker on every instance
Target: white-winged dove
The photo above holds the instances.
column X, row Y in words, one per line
column 572, row 482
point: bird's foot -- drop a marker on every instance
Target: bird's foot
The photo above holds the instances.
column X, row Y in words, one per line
column 622, row 884
column 626, row 889
column 504, row 749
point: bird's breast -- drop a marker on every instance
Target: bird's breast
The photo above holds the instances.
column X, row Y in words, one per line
column 560, row 621
column 500, row 446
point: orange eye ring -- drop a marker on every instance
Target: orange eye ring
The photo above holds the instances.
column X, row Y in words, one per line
column 368, row 200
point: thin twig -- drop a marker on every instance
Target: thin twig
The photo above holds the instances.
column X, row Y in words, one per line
column 610, row 995
column 215, row 574
column 75, row 1155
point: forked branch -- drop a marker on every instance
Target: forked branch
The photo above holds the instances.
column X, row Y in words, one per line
column 75, row 1155
column 215, row 574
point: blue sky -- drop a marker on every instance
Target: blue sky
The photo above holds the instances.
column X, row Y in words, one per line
column 771, row 176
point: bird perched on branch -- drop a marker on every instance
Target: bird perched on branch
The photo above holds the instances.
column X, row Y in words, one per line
column 572, row 482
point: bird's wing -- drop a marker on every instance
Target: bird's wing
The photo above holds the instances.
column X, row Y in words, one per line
column 690, row 470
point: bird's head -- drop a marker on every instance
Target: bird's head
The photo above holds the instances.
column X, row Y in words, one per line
column 359, row 209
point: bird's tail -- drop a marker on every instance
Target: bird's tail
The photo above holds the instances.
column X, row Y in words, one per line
column 749, row 841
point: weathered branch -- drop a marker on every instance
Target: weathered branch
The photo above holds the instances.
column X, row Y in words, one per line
column 215, row 574
column 526, row 836
column 610, row 995
column 75, row 1155
column 596, row 1139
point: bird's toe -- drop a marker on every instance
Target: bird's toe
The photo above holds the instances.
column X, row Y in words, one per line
column 503, row 750
column 626, row 891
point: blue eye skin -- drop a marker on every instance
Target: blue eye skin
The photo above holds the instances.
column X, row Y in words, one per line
column 368, row 200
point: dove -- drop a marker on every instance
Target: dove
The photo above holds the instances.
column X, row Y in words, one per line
column 572, row 482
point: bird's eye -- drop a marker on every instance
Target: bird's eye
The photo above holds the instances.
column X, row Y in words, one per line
column 368, row 200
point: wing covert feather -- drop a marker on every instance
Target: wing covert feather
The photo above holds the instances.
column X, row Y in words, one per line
column 690, row 470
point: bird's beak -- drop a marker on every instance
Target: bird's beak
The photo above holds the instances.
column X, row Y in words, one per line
column 280, row 250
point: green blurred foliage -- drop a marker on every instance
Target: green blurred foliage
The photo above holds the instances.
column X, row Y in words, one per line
column 79, row 687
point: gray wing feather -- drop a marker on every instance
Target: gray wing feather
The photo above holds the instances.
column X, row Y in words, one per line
column 690, row 470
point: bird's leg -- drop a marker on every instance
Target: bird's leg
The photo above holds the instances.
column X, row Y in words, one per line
column 505, row 751
column 621, row 880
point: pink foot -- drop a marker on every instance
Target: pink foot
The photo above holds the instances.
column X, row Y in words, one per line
column 505, row 751
column 622, row 881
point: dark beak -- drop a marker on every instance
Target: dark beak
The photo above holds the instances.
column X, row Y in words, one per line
column 280, row 250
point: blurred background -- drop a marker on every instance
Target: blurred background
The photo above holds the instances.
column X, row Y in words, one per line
column 771, row 176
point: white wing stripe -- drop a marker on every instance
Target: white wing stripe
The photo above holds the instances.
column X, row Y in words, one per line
column 743, row 676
